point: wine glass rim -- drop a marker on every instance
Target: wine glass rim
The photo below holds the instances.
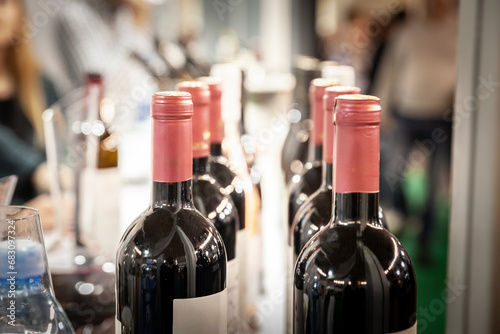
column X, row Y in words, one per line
column 33, row 212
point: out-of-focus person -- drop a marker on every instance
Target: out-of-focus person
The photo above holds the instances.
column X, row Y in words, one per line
column 381, row 41
column 416, row 83
column 24, row 93
column 113, row 38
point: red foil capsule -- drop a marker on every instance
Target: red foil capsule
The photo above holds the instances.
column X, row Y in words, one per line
column 328, row 101
column 357, row 143
column 316, row 92
column 216, row 123
column 171, row 114
column 200, row 94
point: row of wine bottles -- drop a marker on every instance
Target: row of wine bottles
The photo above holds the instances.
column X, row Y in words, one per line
column 178, row 264
column 181, row 265
column 347, row 273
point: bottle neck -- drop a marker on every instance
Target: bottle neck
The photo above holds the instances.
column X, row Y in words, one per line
column 351, row 208
column 215, row 149
column 317, row 116
column 201, row 130
column 172, row 195
column 328, row 130
column 327, row 177
column 357, row 158
column 94, row 94
column 356, row 179
column 201, row 166
column 172, row 150
column 216, row 123
column 315, row 151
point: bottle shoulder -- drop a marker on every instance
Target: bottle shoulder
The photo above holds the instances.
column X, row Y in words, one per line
column 306, row 185
column 308, row 182
column 225, row 173
column 311, row 218
column 301, row 190
column 211, row 200
column 169, row 234
column 320, row 202
column 221, row 163
column 342, row 251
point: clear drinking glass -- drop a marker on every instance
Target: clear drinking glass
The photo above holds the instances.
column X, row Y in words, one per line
column 82, row 271
column 26, row 295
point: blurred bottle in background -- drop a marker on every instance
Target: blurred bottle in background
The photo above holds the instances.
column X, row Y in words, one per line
column 309, row 180
column 294, row 153
column 219, row 164
column 80, row 142
column 98, row 213
column 249, row 240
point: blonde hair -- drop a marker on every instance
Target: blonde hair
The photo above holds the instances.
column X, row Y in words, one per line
column 25, row 70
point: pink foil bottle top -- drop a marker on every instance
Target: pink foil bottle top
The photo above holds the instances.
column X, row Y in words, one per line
column 216, row 123
column 357, row 143
column 171, row 114
column 316, row 92
column 328, row 102
column 200, row 94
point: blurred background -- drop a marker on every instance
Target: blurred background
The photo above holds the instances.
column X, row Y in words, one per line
column 433, row 63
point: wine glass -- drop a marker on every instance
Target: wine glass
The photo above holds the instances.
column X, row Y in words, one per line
column 82, row 272
column 26, row 295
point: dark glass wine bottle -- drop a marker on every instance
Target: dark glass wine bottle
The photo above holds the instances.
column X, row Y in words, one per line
column 315, row 213
column 302, row 186
column 354, row 276
column 209, row 196
column 295, row 149
column 107, row 153
column 219, row 164
column 171, row 261
column 309, row 181
column 249, row 236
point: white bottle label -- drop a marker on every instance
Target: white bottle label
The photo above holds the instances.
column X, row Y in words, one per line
column 411, row 330
column 206, row 314
column 233, row 292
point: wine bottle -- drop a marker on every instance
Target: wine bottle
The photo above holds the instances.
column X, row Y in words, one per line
column 209, row 196
column 302, row 186
column 315, row 213
column 306, row 184
column 219, row 164
column 354, row 276
column 99, row 215
column 171, row 262
column 295, row 149
column 232, row 148
column 107, row 152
